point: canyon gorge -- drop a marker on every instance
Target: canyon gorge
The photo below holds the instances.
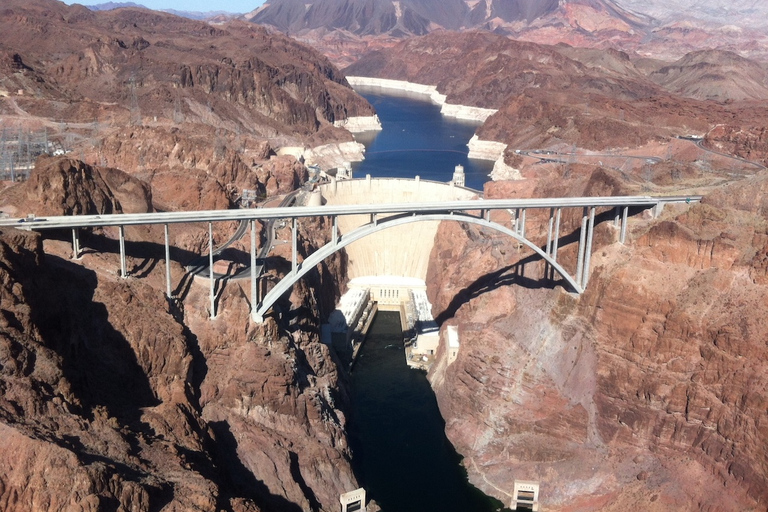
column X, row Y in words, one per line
column 649, row 390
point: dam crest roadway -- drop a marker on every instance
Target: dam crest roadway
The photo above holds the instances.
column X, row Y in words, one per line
column 364, row 221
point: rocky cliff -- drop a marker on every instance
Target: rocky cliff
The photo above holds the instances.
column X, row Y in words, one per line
column 164, row 97
column 647, row 391
column 114, row 397
column 560, row 96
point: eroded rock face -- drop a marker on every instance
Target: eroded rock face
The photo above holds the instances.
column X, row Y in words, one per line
column 646, row 391
column 113, row 396
column 64, row 186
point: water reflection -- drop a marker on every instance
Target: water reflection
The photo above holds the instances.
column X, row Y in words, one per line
column 416, row 140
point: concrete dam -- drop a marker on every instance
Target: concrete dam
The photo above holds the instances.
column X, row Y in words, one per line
column 394, row 259
column 387, row 270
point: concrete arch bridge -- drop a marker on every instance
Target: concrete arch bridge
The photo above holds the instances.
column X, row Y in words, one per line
column 378, row 217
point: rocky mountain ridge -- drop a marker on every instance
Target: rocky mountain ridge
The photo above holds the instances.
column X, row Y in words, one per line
column 343, row 31
column 187, row 97
column 114, row 396
column 565, row 97
column 644, row 392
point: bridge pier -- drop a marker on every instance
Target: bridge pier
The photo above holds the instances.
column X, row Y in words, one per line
column 123, row 271
column 167, row 265
column 294, row 229
column 254, row 277
column 75, row 243
column 623, row 235
column 582, row 246
column 588, row 252
column 210, row 270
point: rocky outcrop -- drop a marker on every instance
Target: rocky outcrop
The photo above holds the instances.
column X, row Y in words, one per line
column 192, row 109
column 645, row 391
column 561, row 96
column 114, row 396
column 64, row 186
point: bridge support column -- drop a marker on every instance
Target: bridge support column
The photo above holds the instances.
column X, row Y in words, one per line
column 517, row 220
column 123, row 271
column 211, row 279
column 556, row 241
column 167, row 264
column 335, row 230
column 550, row 227
column 582, row 243
column 588, row 252
column 522, row 224
column 623, row 236
column 293, row 241
column 617, row 217
column 254, row 284
column 549, row 273
column 75, row 243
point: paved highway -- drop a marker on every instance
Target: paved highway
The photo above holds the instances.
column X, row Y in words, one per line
column 133, row 219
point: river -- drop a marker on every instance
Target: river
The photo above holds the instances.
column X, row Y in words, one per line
column 416, row 140
column 401, row 454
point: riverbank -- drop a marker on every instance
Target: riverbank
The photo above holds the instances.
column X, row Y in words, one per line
column 463, row 112
column 488, row 150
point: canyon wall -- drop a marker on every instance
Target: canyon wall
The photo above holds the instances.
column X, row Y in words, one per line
column 114, row 397
column 647, row 392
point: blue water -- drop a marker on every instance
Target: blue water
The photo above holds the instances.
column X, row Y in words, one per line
column 416, row 140
column 401, row 455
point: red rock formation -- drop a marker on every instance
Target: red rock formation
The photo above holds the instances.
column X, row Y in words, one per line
column 167, row 99
column 647, row 391
column 558, row 96
column 112, row 396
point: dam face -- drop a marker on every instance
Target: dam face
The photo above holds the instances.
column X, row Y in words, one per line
column 395, row 259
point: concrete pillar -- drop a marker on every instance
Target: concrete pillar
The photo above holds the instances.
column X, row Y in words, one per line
column 210, row 270
column 294, row 229
column 550, row 227
column 167, row 264
column 75, row 243
column 522, row 224
column 582, row 244
column 335, row 231
column 556, row 241
column 588, row 252
column 254, row 277
column 623, row 236
column 517, row 220
column 617, row 217
column 123, row 271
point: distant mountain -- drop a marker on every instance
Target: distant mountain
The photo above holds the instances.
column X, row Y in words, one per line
column 193, row 15
column 400, row 18
column 741, row 13
column 108, row 6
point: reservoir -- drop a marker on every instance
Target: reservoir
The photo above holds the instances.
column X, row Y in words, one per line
column 401, row 454
column 416, row 140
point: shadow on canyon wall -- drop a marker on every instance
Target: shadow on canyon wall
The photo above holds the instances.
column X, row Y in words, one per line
column 515, row 274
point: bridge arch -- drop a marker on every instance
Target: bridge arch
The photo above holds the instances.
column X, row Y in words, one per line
column 285, row 284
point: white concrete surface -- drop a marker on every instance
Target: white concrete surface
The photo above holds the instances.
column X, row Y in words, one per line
column 400, row 251
column 465, row 112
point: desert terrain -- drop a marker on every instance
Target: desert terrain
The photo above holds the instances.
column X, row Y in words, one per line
column 647, row 391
